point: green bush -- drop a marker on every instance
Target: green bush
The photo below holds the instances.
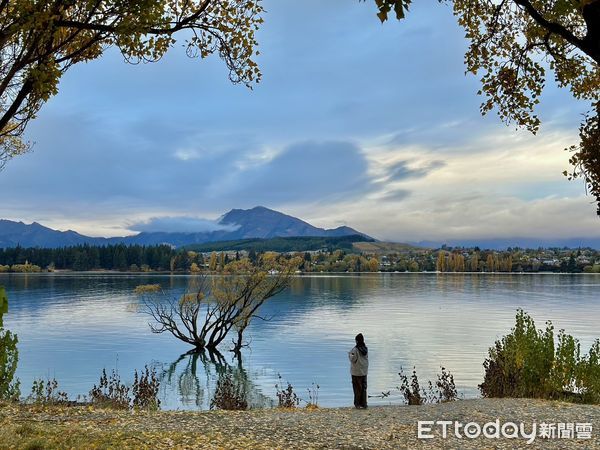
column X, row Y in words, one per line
column 9, row 356
column 47, row 393
column 531, row 363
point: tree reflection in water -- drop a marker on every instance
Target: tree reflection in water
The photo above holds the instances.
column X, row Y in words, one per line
column 194, row 376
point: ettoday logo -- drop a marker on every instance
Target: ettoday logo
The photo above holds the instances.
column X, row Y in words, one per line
column 507, row 430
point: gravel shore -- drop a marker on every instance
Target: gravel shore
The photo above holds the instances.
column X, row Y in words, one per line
column 382, row 427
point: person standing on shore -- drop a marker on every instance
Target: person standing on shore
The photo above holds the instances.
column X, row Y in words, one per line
column 359, row 366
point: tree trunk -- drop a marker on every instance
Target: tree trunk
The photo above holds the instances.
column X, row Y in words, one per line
column 239, row 344
column 218, row 335
column 591, row 15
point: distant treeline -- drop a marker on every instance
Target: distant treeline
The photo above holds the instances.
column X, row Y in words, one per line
column 87, row 257
column 319, row 254
column 161, row 257
column 282, row 244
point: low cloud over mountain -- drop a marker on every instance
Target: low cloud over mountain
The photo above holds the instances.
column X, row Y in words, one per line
column 258, row 222
column 180, row 224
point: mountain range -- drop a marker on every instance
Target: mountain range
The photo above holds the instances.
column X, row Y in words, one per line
column 240, row 224
column 258, row 222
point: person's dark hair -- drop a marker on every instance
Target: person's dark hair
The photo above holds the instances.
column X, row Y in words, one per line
column 360, row 344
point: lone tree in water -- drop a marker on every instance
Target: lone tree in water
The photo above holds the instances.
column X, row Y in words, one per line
column 218, row 304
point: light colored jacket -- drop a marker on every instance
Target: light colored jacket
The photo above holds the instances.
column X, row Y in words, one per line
column 359, row 363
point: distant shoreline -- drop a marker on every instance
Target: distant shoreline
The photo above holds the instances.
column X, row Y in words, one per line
column 166, row 272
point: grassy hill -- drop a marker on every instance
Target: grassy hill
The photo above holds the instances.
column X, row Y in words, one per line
column 283, row 244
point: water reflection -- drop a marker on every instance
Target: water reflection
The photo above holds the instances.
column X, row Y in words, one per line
column 196, row 385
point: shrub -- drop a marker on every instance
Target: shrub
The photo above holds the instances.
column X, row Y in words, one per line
column 25, row 268
column 446, row 387
column 229, row 395
column 588, row 375
column 529, row 363
column 147, row 289
column 410, row 389
column 9, row 386
column 444, row 390
column 286, row 396
column 145, row 389
column 313, row 396
column 9, row 356
column 110, row 392
column 47, row 393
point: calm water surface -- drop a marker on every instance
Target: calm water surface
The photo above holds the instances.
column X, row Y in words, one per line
column 71, row 326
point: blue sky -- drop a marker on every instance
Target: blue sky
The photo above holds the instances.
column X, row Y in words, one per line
column 357, row 123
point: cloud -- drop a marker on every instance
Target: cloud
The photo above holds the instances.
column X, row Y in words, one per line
column 301, row 172
column 181, row 224
column 498, row 185
column 395, row 195
column 185, row 154
column 353, row 122
column 402, row 170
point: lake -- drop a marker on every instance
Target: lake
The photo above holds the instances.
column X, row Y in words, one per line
column 71, row 326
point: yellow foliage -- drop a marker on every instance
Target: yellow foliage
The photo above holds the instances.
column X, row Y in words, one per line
column 66, row 33
column 147, row 288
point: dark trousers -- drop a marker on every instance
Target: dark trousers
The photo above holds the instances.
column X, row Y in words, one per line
column 359, row 385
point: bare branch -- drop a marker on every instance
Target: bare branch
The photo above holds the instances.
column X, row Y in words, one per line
column 230, row 301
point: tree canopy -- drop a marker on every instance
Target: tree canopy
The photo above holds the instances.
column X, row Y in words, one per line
column 513, row 44
column 214, row 306
column 40, row 41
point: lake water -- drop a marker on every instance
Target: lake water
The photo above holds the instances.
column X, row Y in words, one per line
column 71, row 326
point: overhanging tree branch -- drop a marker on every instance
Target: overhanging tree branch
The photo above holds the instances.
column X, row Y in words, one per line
column 53, row 36
column 552, row 27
